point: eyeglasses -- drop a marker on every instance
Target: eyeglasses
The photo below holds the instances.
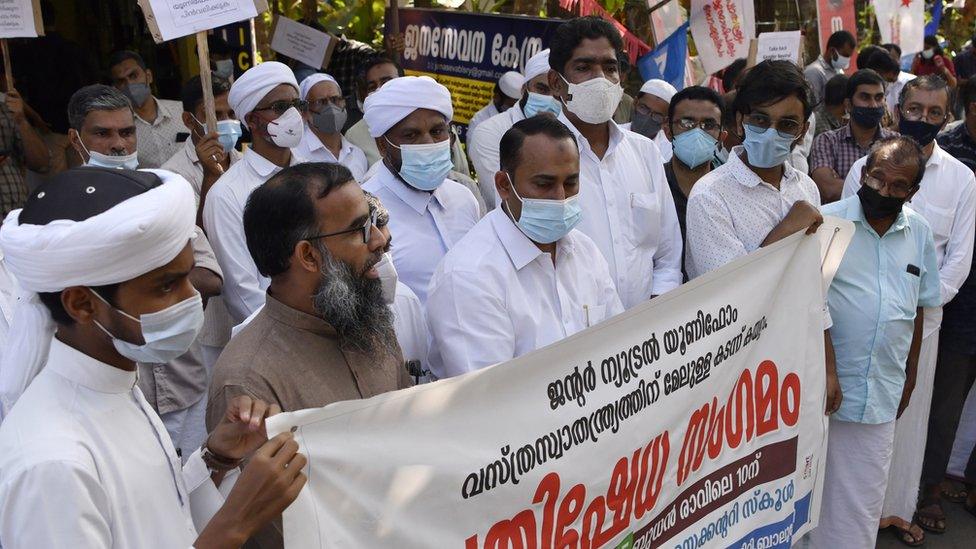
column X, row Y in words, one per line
column 366, row 229
column 897, row 190
column 279, row 107
column 646, row 111
column 915, row 113
column 708, row 124
column 786, row 127
column 316, row 105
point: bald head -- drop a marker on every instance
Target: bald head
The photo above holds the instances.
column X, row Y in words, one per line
column 898, row 155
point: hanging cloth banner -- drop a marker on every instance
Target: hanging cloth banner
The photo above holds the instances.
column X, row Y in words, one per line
column 722, row 31
column 902, row 22
column 835, row 15
column 635, row 46
column 933, row 27
column 667, row 61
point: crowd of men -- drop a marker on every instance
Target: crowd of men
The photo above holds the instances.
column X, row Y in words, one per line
column 154, row 318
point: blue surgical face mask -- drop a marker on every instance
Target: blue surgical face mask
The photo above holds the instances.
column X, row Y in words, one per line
column 125, row 161
column 167, row 333
column 695, row 147
column 721, row 156
column 767, row 149
column 546, row 221
column 538, row 103
column 228, row 132
column 424, row 167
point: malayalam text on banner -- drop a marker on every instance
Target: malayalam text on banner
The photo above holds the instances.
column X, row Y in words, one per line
column 695, row 420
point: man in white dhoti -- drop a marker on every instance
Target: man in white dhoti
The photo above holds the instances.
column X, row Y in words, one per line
column 887, row 275
column 84, row 460
column 947, row 201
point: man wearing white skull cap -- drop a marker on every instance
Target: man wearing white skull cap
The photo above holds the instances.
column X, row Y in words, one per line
column 103, row 259
column 323, row 140
column 429, row 213
column 650, row 111
column 536, row 97
column 265, row 99
column 507, row 91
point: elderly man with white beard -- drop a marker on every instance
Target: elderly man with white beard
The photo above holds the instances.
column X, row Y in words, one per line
column 325, row 333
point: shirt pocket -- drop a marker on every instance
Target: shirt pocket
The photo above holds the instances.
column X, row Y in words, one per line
column 940, row 220
column 645, row 212
column 907, row 303
column 593, row 315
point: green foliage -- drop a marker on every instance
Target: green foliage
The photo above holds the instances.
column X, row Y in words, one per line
column 360, row 20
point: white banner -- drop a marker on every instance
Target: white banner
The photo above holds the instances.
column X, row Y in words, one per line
column 695, row 420
column 169, row 19
column 783, row 45
column 722, row 31
column 902, row 22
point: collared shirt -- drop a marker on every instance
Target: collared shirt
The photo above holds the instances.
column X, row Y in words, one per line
column 85, row 462
column 482, row 115
column 680, row 208
column 156, row 140
column 893, row 90
column 186, row 163
column 497, row 296
column 182, row 382
column 629, row 213
column 223, row 219
column 946, row 198
column 483, row 145
column 731, row 212
column 424, row 225
column 825, row 123
column 350, row 156
column 873, row 300
column 664, row 145
column 13, row 186
column 838, row 150
column 817, row 74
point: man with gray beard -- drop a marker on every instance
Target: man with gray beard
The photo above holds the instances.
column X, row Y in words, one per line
column 325, row 333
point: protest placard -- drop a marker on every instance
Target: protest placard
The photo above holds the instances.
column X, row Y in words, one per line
column 301, row 42
column 779, row 45
column 694, row 420
column 722, row 31
column 18, row 19
column 169, row 19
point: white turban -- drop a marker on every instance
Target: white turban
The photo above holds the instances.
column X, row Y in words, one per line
column 401, row 96
column 256, row 82
column 128, row 240
column 537, row 64
column 313, row 79
column 511, row 84
column 659, row 89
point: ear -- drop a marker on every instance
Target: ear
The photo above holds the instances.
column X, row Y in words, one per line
column 739, row 130
column 666, row 128
column 75, row 139
column 306, row 256
column 381, row 145
column 503, row 185
column 848, row 106
column 79, row 303
column 149, row 77
column 722, row 135
column 555, row 83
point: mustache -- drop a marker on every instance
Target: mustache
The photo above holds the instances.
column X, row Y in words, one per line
column 371, row 262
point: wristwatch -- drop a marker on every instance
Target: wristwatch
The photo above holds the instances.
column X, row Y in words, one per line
column 216, row 462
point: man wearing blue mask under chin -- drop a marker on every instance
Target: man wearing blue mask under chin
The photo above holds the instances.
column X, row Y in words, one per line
column 524, row 277
column 756, row 198
column 483, row 141
column 103, row 130
column 627, row 208
column 693, row 127
column 409, row 119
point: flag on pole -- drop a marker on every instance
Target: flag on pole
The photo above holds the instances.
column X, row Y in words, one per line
column 668, row 60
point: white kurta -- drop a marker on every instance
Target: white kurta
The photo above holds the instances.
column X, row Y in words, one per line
column 485, row 113
column 410, row 324
column 223, row 219
column 424, row 225
column 947, row 200
column 85, row 462
column 628, row 211
column 497, row 296
column 350, row 156
column 483, row 150
column 858, row 457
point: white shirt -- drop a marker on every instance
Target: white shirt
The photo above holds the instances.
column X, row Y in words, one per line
column 156, row 140
column 731, row 211
column 946, row 198
column 186, row 163
column 424, row 225
column 485, row 113
column 223, row 219
column 629, row 213
column 410, row 324
column 497, row 296
column 483, row 149
column 85, row 462
column 350, row 156
column 799, row 156
column 663, row 145
column 894, row 89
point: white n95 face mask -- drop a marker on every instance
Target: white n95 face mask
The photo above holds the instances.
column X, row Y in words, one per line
column 388, row 278
column 168, row 334
column 594, row 101
column 287, row 130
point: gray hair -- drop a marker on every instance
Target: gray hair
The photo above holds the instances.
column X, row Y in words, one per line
column 905, row 151
column 97, row 97
column 929, row 82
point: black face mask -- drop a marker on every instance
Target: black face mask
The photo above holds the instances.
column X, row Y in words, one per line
column 919, row 130
column 644, row 125
column 876, row 206
column 867, row 117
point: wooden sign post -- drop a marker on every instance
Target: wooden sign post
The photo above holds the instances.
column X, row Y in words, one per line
column 206, row 80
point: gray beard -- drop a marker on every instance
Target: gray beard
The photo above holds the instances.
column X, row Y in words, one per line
column 354, row 306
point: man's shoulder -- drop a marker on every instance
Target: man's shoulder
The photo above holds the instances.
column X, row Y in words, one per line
column 915, row 219
column 838, row 208
column 713, row 183
column 477, row 250
column 172, row 107
column 248, row 353
column 494, row 125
